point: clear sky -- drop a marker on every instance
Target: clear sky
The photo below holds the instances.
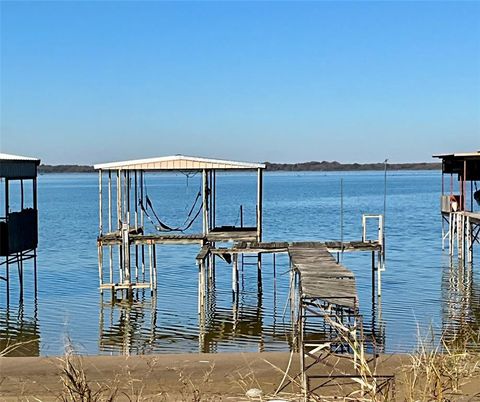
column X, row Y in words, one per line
column 86, row 82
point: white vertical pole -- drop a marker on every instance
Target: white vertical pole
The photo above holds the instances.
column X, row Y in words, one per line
column 150, row 258
column 100, row 220
column 100, row 246
column 259, row 203
column 205, row 202
column 100, row 265
column 469, row 241
column 235, row 277
column 379, row 274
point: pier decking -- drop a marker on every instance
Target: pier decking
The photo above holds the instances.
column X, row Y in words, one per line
column 321, row 277
column 218, row 235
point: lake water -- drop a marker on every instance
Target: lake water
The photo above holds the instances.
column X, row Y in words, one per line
column 421, row 288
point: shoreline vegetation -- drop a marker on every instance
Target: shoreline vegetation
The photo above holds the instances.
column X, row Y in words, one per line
column 426, row 376
column 312, row 166
column 438, row 370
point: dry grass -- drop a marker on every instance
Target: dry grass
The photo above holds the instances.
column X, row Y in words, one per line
column 76, row 387
column 439, row 370
column 9, row 348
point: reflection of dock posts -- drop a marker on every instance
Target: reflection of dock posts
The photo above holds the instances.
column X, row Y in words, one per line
column 259, row 275
column 235, row 286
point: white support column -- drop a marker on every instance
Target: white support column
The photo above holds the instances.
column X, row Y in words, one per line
column 201, row 287
column 469, row 241
column 119, row 200
column 100, row 246
column 235, row 277
column 458, row 218
column 379, row 274
column 126, row 252
column 451, row 232
column 205, row 201
column 100, row 220
column 100, row 266
column 259, row 203
column 150, row 265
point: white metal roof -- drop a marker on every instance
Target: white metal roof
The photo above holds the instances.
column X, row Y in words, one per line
column 179, row 162
column 10, row 157
column 458, row 154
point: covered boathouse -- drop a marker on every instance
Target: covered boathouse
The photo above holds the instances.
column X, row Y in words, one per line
column 122, row 226
column 460, row 202
column 18, row 218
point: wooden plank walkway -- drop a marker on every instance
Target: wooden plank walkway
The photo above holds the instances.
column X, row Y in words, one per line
column 246, row 234
column 321, row 277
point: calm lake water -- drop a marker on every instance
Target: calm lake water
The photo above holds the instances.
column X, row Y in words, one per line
column 421, row 288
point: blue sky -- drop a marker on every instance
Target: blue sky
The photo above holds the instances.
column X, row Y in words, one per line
column 86, row 82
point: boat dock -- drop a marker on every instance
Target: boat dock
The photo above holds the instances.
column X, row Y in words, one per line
column 460, row 203
column 321, row 288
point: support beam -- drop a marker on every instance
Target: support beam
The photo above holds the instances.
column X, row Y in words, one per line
column 100, row 207
column 259, row 203
column 235, row 286
column 205, row 201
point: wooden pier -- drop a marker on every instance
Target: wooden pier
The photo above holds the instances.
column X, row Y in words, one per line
column 319, row 286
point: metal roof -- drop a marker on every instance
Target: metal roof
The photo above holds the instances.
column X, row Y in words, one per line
column 10, row 157
column 18, row 167
column 458, row 155
column 179, row 162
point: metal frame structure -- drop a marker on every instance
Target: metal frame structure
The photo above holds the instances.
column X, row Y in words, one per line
column 458, row 209
column 129, row 235
column 18, row 229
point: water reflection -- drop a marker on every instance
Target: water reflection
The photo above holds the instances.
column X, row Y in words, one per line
column 128, row 327
column 19, row 331
column 131, row 327
column 374, row 327
column 461, row 306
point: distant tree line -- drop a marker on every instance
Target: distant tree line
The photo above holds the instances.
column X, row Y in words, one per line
column 337, row 166
column 65, row 169
column 313, row 166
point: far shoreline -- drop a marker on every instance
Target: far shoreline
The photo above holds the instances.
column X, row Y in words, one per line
column 314, row 166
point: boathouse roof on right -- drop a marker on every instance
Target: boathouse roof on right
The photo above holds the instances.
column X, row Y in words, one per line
column 465, row 164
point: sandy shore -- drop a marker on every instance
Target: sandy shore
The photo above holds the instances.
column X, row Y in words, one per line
column 173, row 377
